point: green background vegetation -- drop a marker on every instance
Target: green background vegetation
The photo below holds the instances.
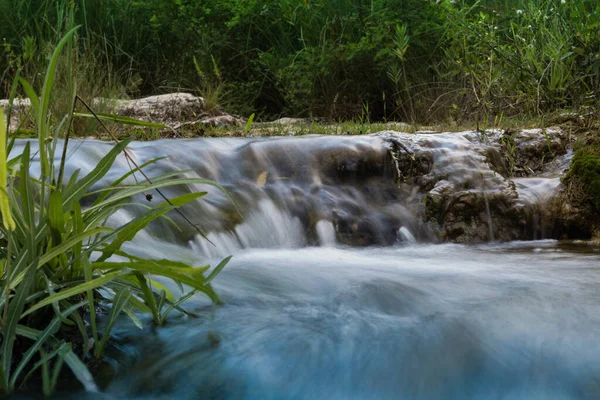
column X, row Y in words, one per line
column 409, row 60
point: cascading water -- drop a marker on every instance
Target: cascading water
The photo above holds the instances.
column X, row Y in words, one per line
column 337, row 289
column 293, row 192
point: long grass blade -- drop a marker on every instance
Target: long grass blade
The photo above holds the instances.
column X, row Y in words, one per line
column 121, row 120
column 77, row 290
column 42, row 114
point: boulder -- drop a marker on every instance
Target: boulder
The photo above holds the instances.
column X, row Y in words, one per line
column 169, row 109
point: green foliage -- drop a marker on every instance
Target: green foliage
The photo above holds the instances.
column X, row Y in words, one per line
column 425, row 60
column 585, row 173
column 56, row 259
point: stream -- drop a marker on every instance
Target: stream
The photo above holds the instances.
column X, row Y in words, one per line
column 341, row 285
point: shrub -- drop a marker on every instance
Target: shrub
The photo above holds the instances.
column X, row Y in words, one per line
column 463, row 59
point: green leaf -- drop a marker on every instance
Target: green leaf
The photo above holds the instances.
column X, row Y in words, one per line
column 133, row 317
column 177, row 303
column 60, row 249
column 80, row 188
column 105, row 193
column 121, row 120
column 31, row 94
column 187, row 275
column 50, row 330
column 42, row 114
column 183, row 199
column 74, row 291
column 15, row 313
column 81, row 372
column 7, row 218
column 133, row 190
column 217, row 269
column 119, row 301
column 128, row 231
column 55, row 211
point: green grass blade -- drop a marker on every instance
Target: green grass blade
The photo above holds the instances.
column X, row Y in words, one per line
column 61, row 353
column 187, row 275
column 15, row 313
column 183, row 199
column 131, row 191
column 76, row 290
column 118, row 303
column 178, row 303
column 121, row 120
column 7, row 218
column 80, row 188
column 125, row 176
column 217, row 269
column 42, row 114
column 81, row 372
column 133, row 317
column 55, row 211
column 128, row 231
column 50, row 330
column 60, row 249
column 31, row 94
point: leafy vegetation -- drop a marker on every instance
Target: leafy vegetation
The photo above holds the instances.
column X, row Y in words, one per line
column 583, row 177
column 57, row 259
column 425, row 61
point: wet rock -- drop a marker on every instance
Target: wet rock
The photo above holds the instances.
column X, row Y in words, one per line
column 436, row 201
column 533, row 148
column 523, row 152
column 465, row 195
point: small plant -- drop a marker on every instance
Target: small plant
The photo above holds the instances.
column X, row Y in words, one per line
column 57, row 263
column 508, row 144
column 248, row 125
column 583, row 178
column 211, row 88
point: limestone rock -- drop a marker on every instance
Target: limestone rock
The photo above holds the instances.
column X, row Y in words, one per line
column 169, row 109
column 20, row 108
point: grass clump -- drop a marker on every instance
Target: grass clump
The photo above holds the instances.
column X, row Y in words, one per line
column 584, row 175
column 58, row 273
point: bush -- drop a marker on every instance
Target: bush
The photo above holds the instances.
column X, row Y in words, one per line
column 462, row 59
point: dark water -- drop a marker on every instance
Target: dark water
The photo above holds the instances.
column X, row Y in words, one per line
column 513, row 321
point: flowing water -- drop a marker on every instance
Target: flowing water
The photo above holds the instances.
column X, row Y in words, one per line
column 311, row 313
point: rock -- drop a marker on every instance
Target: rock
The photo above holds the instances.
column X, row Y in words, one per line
column 223, row 121
column 289, row 121
column 20, row 108
column 463, row 197
column 169, row 109
column 525, row 152
column 217, row 121
column 435, row 201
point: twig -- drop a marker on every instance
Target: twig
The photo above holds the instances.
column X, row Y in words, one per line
column 130, row 159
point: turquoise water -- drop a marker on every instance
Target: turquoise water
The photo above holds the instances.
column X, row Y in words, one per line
column 513, row 321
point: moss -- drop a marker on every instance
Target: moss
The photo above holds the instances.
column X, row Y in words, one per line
column 585, row 172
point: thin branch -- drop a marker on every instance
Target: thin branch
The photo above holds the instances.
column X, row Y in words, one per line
column 130, row 159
